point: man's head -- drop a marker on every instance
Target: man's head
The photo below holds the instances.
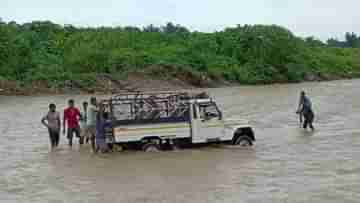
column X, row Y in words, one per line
column 302, row 93
column 85, row 105
column 93, row 101
column 52, row 107
column 71, row 103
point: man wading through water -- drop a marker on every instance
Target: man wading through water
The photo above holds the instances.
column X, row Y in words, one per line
column 102, row 123
column 53, row 125
column 305, row 109
column 83, row 121
column 72, row 116
column 90, row 131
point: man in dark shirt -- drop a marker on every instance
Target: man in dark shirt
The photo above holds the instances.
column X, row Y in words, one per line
column 305, row 109
column 71, row 117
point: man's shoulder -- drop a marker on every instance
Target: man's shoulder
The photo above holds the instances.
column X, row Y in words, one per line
column 71, row 108
column 46, row 115
column 92, row 108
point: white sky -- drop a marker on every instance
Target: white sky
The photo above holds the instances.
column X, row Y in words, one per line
column 319, row 18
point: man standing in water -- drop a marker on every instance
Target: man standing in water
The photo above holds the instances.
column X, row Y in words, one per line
column 91, row 122
column 53, row 125
column 72, row 116
column 102, row 123
column 83, row 125
column 305, row 109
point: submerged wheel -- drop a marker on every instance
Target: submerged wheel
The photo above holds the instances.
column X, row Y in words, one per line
column 118, row 148
column 151, row 147
column 243, row 141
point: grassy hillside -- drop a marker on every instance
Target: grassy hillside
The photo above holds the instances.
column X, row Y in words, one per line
column 43, row 51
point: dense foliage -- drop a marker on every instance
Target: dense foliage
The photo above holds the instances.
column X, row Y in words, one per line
column 246, row 54
column 351, row 41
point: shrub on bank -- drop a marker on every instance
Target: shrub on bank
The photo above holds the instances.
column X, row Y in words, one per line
column 246, row 54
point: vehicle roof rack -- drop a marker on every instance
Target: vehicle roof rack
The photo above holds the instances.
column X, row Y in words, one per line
column 158, row 96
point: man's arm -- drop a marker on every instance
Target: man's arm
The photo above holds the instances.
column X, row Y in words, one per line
column 43, row 121
column 59, row 121
column 64, row 121
column 81, row 117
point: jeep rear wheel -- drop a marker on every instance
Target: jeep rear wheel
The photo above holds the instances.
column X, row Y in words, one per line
column 151, row 147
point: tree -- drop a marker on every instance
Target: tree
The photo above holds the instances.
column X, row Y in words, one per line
column 132, row 29
column 171, row 28
column 351, row 39
column 313, row 42
column 42, row 50
column 151, row 28
column 333, row 42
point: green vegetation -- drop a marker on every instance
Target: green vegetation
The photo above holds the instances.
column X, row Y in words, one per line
column 43, row 51
column 351, row 41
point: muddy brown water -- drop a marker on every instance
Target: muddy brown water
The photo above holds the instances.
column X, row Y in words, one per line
column 285, row 165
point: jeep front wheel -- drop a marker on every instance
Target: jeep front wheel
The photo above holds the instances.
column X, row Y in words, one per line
column 243, row 141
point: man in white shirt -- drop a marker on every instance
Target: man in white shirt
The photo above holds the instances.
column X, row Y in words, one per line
column 91, row 122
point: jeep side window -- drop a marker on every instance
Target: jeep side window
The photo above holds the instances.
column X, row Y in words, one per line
column 209, row 111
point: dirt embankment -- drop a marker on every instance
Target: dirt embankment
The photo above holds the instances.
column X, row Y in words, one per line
column 107, row 84
column 104, row 83
column 173, row 78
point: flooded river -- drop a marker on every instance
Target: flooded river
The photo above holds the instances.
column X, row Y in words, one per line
column 285, row 165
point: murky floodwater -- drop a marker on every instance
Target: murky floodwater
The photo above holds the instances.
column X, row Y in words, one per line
column 285, row 165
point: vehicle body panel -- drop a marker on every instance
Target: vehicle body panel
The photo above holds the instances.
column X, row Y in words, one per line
column 138, row 132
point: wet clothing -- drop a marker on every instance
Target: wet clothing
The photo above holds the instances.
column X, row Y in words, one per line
column 53, row 123
column 91, row 115
column 72, row 116
column 54, row 137
column 90, row 129
column 90, row 134
column 70, row 135
column 101, row 126
column 53, row 119
column 308, row 121
column 83, row 120
column 307, row 112
column 306, row 105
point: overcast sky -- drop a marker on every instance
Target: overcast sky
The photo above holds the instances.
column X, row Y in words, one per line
column 319, row 18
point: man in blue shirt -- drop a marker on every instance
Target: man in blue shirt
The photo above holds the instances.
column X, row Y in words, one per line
column 102, row 124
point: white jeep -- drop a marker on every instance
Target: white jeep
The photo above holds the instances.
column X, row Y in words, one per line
column 153, row 121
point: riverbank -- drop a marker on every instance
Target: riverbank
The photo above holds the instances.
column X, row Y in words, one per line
column 108, row 84
column 103, row 84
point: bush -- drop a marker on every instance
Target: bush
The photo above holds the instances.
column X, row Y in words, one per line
column 255, row 54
